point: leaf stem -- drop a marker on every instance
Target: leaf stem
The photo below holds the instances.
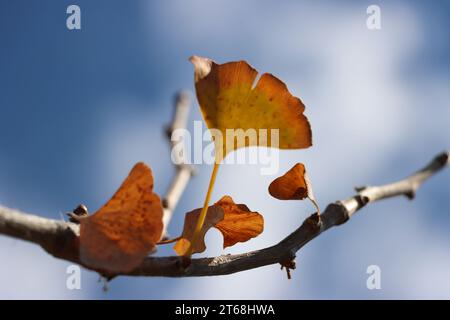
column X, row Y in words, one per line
column 167, row 241
column 201, row 218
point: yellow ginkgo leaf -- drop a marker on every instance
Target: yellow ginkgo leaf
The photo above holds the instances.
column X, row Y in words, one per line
column 239, row 114
column 228, row 100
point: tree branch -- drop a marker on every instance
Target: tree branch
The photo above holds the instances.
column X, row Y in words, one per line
column 58, row 238
column 184, row 171
column 61, row 238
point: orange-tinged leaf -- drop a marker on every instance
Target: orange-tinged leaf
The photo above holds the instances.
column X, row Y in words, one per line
column 293, row 185
column 125, row 230
column 290, row 186
column 235, row 221
column 228, row 100
column 239, row 223
column 213, row 216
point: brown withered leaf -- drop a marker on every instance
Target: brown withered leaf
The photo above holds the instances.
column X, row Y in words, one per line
column 239, row 223
column 125, row 230
column 235, row 221
column 293, row 185
column 213, row 216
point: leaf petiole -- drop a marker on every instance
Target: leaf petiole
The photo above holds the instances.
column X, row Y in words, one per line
column 201, row 218
column 167, row 241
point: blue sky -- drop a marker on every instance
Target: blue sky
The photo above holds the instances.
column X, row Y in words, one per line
column 78, row 108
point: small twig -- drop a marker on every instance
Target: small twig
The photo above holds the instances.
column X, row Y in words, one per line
column 61, row 238
column 184, row 171
column 288, row 265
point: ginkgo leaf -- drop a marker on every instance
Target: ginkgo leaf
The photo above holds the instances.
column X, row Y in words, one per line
column 239, row 113
column 239, row 223
column 213, row 216
column 293, row 185
column 228, row 100
column 125, row 230
column 235, row 221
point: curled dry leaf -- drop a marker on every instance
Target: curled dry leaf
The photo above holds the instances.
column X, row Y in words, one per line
column 293, row 185
column 235, row 221
column 229, row 100
column 125, row 230
column 239, row 223
column 213, row 216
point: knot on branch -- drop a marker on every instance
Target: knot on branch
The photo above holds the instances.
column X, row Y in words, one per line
column 443, row 158
column 314, row 222
column 337, row 213
column 288, row 264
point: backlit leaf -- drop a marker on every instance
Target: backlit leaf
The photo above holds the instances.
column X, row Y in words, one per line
column 239, row 223
column 229, row 99
column 213, row 216
column 293, row 185
column 125, row 230
column 235, row 221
